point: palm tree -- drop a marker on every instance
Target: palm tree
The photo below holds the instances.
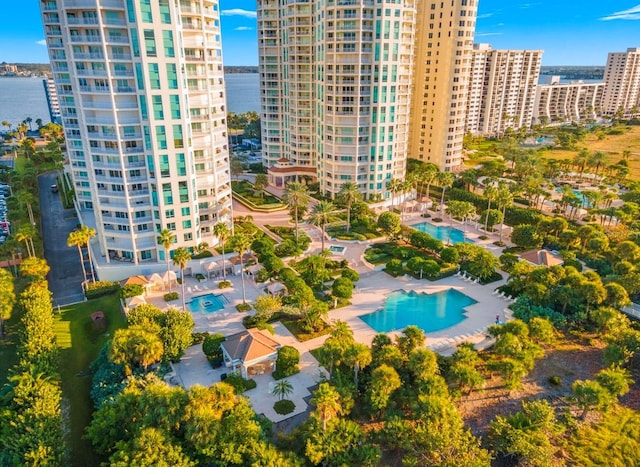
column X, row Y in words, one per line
column 296, row 195
column 39, row 122
column 25, row 234
column 504, row 199
column 393, row 186
column 221, row 230
column 261, row 182
column 321, row 215
column 491, row 193
column 241, row 243
column 28, row 121
column 85, row 234
column 74, row 239
column 445, row 180
column 180, row 258
column 580, row 160
column 327, row 402
column 597, row 159
column 282, row 388
column 429, row 174
column 166, row 238
column 348, row 195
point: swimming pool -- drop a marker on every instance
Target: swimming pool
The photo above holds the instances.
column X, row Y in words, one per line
column 430, row 312
column 583, row 200
column 337, row 249
column 207, row 303
column 442, row 233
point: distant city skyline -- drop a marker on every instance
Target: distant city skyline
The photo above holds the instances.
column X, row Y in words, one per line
column 567, row 32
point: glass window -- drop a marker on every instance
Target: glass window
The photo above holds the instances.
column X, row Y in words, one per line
column 175, row 106
column 135, row 45
column 131, row 11
column 172, row 76
column 165, row 15
column 181, row 164
column 167, row 194
column 145, row 11
column 143, row 107
column 186, row 211
column 183, row 189
column 139, row 76
column 170, row 213
column 161, row 137
column 150, row 166
column 147, row 139
column 186, row 224
column 150, row 43
column 167, row 40
column 154, row 76
column 158, row 113
column 178, row 141
column 164, row 166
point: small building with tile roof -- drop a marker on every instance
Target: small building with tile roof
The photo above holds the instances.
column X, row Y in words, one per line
column 250, row 353
column 541, row 258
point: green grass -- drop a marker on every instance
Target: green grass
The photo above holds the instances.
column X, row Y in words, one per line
column 293, row 325
column 80, row 341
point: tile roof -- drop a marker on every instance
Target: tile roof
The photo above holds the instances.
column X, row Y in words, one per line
column 541, row 258
column 250, row 345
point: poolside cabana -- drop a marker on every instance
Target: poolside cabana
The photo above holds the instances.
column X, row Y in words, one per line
column 276, row 288
column 169, row 277
column 155, row 280
column 250, row 353
column 137, row 280
column 211, row 267
column 254, row 269
column 132, row 302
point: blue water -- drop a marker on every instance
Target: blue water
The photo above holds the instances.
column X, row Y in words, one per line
column 442, row 233
column 336, row 249
column 207, row 303
column 429, row 312
column 583, row 200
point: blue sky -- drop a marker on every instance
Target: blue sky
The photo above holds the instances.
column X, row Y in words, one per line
column 571, row 32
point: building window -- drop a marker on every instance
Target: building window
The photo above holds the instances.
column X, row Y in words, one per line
column 174, row 101
column 178, row 141
column 150, row 43
column 145, row 11
column 172, row 76
column 158, row 112
column 167, row 194
column 181, row 164
column 184, row 192
column 165, row 15
column 154, row 76
column 167, row 41
column 161, row 137
column 164, row 166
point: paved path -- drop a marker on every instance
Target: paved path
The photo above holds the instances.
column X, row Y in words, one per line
column 65, row 276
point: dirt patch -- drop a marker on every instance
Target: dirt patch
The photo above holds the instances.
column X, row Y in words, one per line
column 571, row 360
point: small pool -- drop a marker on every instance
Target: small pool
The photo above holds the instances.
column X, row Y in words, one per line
column 583, row 200
column 430, row 312
column 207, row 303
column 337, row 249
column 443, row 233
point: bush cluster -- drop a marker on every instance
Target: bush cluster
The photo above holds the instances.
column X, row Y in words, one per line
column 284, row 407
column 168, row 297
column 100, row 289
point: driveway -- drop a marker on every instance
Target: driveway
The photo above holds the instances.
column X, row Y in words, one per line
column 65, row 276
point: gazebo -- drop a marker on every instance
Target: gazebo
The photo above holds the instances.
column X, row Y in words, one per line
column 254, row 269
column 210, row 267
column 251, row 352
column 155, row 280
column 169, row 277
column 275, row 288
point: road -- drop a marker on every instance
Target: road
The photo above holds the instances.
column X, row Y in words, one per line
column 65, row 276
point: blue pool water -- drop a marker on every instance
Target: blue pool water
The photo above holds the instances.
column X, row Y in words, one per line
column 337, row 249
column 442, row 233
column 579, row 194
column 207, row 303
column 429, row 312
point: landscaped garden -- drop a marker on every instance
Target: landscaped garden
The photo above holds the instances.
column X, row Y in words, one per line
column 254, row 198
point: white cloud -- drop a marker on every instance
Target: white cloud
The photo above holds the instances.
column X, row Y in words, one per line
column 239, row 12
column 486, row 15
column 529, row 5
column 42, row 42
column 243, row 28
column 631, row 13
column 482, row 34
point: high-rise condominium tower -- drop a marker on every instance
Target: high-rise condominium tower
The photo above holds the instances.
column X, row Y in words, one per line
column 142, row 97
column 53, row 104
column 444, row 40
column 335, row 84
column 622, row 83
column 573, row 102
column 502, row 89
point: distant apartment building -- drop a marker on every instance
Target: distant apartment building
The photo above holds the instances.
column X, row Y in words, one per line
column 335, row 84
column 6, row 68
column 444, row 41
column 142, row 98
column 567, row 102
column 622, row 83
column 52, row 100
column 502, row 89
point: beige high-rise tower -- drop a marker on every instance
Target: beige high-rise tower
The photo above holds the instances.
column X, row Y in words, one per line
column 622, row 83
column 442, row 65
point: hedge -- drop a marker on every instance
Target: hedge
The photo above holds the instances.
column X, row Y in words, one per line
column 100, row 289
column 284, row 407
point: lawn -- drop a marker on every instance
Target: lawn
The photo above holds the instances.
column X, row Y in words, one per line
column 258, row 197
column 80, row 341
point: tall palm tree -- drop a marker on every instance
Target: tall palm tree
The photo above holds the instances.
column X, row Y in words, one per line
column 321, row 215
column 241, row 243
column 180, row 258
column 166, row 239
column 393, row 186
column 261, row 182
column 429, row 175
column 282, row 389
column 25, row 234
column 596, row 160
column 445, row 180
column 504, row 199
column 491, row 193
column 327, row 402
column 296, row 195
column 348, row 195
column 580, row 160
column 221, row 230
column 86, row 234
column 74, row 239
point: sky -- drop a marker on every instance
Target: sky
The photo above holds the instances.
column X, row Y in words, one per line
column 570, row 32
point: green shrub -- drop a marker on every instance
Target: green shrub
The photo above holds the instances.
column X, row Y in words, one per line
column 287, row 362
column 394, row 267
column 239, row 383
column 242, row 307
column 100, row 289
column 224, row 284
column 284, row 407
column 554, row 381
column 131, row 290
column 202, row 254
column 168, row 297
column 483, row 237
column 437, row 219
column 200, row 277
column 350, row 274
column 211, row 345
column 198, row 337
